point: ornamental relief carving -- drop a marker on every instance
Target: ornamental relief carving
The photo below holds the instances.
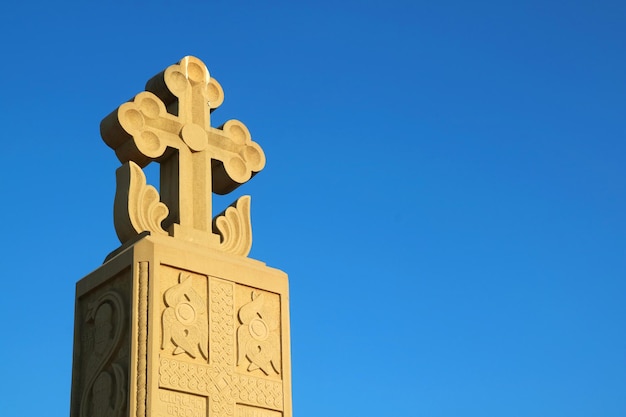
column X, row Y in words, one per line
column 258, row 333
column 104, row 393
column 244, row 364
column 184, row 320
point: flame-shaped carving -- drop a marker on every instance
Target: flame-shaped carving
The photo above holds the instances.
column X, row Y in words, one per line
column 137, row 207
column 234, row 227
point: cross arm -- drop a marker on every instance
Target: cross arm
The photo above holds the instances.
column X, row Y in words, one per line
column 141, row 130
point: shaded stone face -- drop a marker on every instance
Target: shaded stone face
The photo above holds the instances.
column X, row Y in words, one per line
column 101, row 347
column 103, row 329
column 179, row 321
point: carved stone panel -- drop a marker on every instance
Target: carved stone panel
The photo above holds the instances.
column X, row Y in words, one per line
column 243, row 373
column 258, row 332
column 101, row 358
column 177, row 404
column 247, row 411
column 184, row 319
column 159, row 337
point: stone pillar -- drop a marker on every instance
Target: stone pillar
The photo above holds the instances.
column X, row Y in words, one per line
column 179, row 322
column 165, row 329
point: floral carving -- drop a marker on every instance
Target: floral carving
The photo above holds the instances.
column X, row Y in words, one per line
column 185, row 320
column 258, row 339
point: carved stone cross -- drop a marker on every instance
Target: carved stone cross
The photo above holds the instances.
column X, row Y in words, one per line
column 171, row 325
column 170, row 123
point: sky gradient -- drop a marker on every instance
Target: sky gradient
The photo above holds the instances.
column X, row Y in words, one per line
column 445, row 186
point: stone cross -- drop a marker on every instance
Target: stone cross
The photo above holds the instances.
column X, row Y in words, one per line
column 170, row 123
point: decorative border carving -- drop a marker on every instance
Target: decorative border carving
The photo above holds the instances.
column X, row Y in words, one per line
column 220, row 384
column 222, row 322
column 142, row 338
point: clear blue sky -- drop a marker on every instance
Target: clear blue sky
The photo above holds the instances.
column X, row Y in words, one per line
column 445, row 185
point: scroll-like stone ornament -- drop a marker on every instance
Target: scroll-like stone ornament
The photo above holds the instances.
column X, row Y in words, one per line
column 137, row 207
column 104, row 393
column 170, row 124
column 233, row 225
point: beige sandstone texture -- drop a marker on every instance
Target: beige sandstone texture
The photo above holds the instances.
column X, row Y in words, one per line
column 179, row 322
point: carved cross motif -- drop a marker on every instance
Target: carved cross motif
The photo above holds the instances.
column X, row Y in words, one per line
column 231, row 391
column 170, row 123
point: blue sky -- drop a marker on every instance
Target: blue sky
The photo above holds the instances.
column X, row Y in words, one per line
column 445, row 186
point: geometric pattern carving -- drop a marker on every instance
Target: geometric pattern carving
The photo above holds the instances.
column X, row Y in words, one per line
column 220, row 382
column 142, row 337
column 222, row 321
